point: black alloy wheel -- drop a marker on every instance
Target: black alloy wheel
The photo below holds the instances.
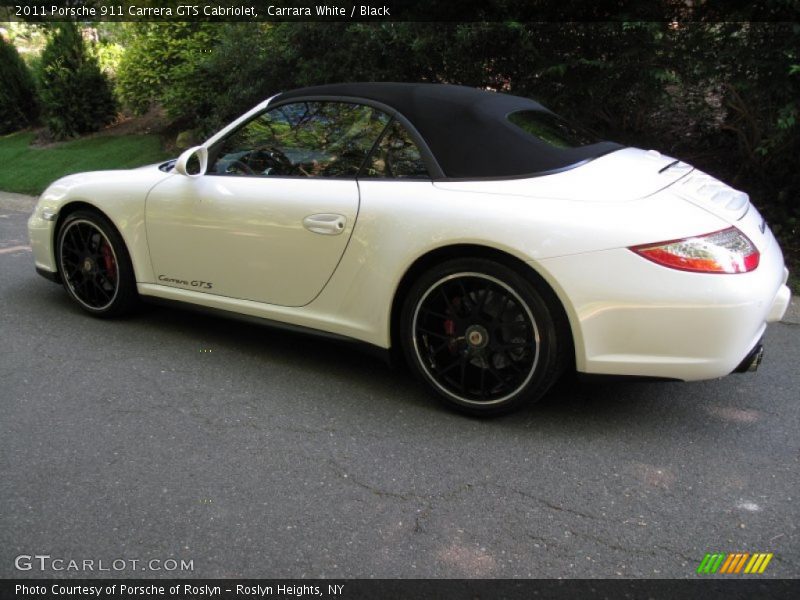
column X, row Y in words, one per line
column 94, row 265
column 482, row 336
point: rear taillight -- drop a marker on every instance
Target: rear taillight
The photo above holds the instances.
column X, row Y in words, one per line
column 726, row 251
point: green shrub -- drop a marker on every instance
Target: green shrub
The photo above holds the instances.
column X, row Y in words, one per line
column 19, row 107
column 155, row 56
column 76, row 96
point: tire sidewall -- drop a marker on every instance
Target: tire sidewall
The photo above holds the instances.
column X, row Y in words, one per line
column 543, row 313
column 126, row 295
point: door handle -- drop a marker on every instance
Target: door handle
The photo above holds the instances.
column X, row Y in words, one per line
column 325, row 223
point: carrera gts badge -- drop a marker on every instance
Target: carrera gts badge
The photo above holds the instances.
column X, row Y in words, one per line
column 195, row 283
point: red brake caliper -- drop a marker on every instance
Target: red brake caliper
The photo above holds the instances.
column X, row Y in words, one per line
column 450, row 328
column 108, row 259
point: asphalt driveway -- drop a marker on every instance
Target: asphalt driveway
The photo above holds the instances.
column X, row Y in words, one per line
column 257, row 453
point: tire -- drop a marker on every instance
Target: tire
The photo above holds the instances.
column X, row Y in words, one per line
column 484, row 338
column 95, row 266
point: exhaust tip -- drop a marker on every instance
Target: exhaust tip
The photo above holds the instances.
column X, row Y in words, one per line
column 752, row 361
column 756, row 362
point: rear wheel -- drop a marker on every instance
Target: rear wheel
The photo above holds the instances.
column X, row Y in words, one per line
column 95, row 266
column 484, row 338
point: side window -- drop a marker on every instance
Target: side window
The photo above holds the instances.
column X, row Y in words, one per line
column 551, row 129
column 305, row 139
column 396, row 156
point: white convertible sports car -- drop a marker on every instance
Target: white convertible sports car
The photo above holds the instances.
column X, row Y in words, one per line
column 476, row 234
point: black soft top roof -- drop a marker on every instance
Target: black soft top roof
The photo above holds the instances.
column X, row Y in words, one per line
column 466, row 129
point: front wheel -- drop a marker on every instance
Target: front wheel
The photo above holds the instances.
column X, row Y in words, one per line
column 95, row 266
column 483, row 337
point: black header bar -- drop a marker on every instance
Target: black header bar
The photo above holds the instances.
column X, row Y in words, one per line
column 400, row 10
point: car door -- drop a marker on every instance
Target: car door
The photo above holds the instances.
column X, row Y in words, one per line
column 272, row 216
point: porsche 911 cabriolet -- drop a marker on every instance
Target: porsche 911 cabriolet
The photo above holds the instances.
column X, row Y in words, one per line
column 476, row 235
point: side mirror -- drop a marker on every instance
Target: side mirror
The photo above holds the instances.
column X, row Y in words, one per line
column 193, row 162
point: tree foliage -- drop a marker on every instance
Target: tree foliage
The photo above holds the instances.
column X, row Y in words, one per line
column 76, row 95
column 19, row 107
column 723, row 96
column 158, row 56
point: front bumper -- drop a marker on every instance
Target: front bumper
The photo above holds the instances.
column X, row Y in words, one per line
column 40, row 233
column 49, row 275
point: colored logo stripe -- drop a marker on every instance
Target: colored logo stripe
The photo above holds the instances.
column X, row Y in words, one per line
column 722, row 563
column 734, row 563
column 758, row 563
column 711, row 563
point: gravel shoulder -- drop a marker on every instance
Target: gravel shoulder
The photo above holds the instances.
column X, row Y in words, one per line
column 17, row 202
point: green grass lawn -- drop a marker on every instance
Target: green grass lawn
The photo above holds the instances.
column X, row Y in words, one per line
column 28, row 170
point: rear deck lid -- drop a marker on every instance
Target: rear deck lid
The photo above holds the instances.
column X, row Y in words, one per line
column 624, row 175
column 713, row 195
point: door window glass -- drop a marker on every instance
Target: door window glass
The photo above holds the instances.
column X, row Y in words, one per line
column 396, row 156
column 302, row 139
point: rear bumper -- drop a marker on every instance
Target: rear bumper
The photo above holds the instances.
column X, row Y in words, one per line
column 781, row 302
column 753, row 359
column 635, row 318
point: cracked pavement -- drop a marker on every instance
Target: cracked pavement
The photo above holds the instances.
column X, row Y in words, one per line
column 260, row 453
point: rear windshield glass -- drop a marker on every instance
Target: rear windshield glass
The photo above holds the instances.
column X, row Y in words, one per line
column 551, row 129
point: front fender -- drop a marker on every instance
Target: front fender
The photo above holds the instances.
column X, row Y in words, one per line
column 118, row 195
